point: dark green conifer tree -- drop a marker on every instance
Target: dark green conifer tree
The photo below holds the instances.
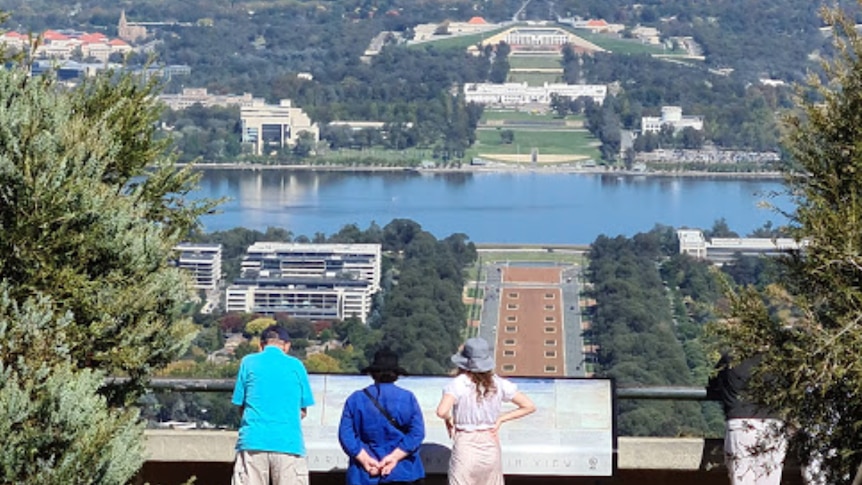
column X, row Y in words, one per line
column 809, row 326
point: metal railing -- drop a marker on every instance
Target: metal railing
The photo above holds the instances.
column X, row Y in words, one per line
column 662, row 393
column 226, row 385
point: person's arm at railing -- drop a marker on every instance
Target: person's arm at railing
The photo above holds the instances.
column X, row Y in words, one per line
column 444, row 412
column 524, row 407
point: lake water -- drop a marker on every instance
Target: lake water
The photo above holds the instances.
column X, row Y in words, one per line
column 505, row 207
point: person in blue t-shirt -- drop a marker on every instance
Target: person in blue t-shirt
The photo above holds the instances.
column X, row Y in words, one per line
column 382, row 428
column 273, row 391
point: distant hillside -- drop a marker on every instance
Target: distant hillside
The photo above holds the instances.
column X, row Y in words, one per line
column 237, row 46
column 757, row 38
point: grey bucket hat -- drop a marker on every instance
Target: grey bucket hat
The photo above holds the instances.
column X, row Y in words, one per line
column 475, row 356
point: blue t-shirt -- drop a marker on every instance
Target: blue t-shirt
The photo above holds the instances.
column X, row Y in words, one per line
column 273, row 388
column 363, row 426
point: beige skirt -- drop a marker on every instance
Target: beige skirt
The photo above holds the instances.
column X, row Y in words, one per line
column 475, row 459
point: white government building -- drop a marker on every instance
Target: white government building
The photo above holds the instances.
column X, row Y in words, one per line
column 720, row 250
column 673, row 117
column 315, row 281
column 202, row 261
column 519, row 94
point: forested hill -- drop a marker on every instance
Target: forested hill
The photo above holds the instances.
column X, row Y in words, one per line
column 777, row 38
column 649, row 322
column 756, row 38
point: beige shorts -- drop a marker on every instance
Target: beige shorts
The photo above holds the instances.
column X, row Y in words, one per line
column 259, row 467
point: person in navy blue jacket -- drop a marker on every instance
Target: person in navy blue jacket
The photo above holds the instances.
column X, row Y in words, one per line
column 382, row 428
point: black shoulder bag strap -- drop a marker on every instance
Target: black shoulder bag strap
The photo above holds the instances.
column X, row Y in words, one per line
column 384, row 412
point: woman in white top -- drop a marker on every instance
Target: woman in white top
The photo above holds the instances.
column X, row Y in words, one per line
column 472, row 407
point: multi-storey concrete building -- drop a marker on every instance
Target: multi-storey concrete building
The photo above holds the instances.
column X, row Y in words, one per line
column 191, row 96
column 296, row 260
column 691, row 242
column 318, row 281
column 203, row 261
column 271, row 127
column 312, row 298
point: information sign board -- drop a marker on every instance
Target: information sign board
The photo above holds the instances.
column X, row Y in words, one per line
column 572, row 432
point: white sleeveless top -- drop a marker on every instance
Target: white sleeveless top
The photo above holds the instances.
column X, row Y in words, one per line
column 472, row 414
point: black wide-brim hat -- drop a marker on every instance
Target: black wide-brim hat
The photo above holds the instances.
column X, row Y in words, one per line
column 385, row 360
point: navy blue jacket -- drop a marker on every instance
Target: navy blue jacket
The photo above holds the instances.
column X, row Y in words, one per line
column 363, row 426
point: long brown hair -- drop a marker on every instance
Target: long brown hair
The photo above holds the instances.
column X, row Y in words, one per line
column 484, row 382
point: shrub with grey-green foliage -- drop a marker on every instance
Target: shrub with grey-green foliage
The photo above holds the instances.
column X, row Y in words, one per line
column 56, row 427
column 91, row 205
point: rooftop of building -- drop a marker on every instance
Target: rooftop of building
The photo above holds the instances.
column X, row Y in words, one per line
column 298, row 282
column 306, row 247
column 68, row 35
column 690, row 236
column 190, row 246
column 197, row 256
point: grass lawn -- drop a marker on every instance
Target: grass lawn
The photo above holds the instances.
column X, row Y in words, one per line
column 607, row 41
column 535, row 256
column 529, row 256
column 535, row 78
column 535, row 62
column 458, row 42
column 469, row 332
column 548, row 142
column 495, row 115
column 619, row 45
column 681, row 59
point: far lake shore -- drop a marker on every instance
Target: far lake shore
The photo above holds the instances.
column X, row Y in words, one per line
column 497, row 168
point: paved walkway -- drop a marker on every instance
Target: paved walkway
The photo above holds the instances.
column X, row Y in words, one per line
column 573, row 332
column 491, row 306
column 529, row 279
